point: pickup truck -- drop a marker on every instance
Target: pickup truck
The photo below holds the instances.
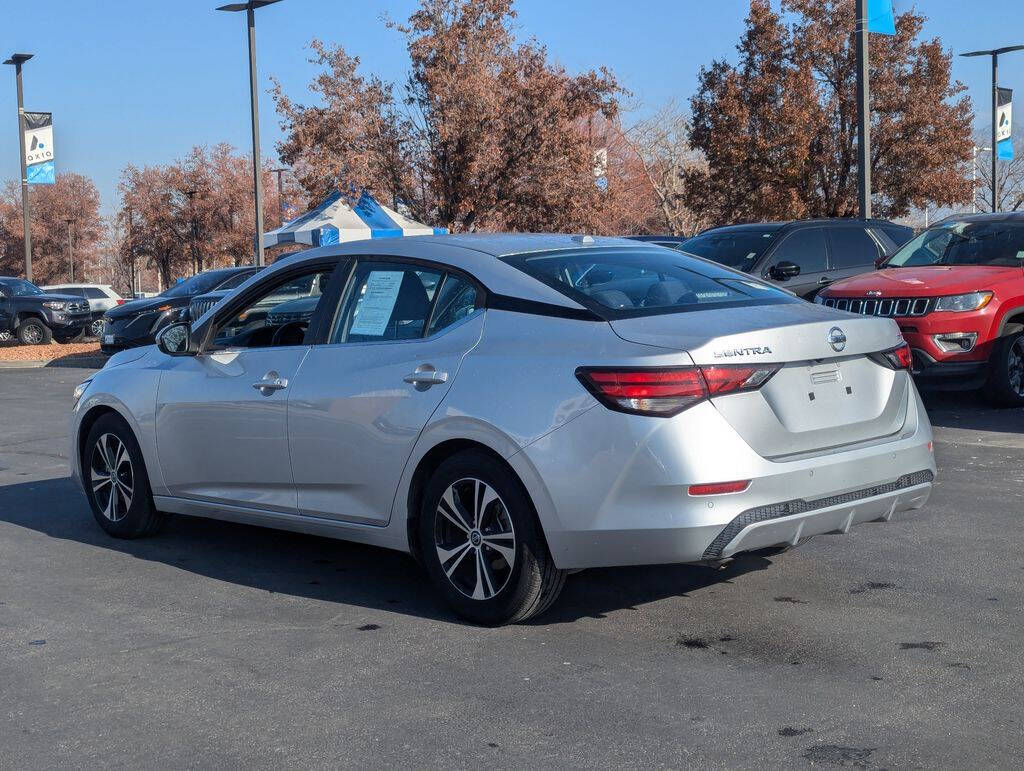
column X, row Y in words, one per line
column 35, row 317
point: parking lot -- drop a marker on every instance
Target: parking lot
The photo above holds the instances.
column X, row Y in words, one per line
column 897, row 645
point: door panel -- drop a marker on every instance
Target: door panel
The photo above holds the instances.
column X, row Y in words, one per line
column 219, row 438
column 353, row 418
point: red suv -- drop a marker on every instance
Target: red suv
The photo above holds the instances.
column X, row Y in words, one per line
column 957, row 292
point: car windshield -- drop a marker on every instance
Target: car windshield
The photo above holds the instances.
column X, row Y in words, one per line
column 737, row 249
column 964, row 243
column 616, row 283
column 202, row 282
column 22, row 288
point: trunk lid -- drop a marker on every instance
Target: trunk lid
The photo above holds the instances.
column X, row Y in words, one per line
column 822, row 397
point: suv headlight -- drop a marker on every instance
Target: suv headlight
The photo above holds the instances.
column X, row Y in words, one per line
column 55, row 305
column 972, row 301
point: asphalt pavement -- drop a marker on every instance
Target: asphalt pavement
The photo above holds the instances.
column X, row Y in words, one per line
column 216, row 644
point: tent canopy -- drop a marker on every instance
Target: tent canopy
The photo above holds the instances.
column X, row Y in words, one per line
column 335, row 221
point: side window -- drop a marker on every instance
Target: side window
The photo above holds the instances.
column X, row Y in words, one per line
column 852, row 248
column 455, row 301
column 805, row 248
column 95, row 293
column 236, row 280
column 280, row 315
column 387, row 301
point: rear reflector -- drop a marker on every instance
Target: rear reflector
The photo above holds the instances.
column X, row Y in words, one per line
column 667, row 391
column 720, row 488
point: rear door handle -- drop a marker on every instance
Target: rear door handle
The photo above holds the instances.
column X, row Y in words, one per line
column 425, row 376
column 271, row 382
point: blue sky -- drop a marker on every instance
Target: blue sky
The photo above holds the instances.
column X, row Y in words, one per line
column 143, row 81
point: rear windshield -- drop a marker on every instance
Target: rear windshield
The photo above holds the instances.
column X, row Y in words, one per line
column 964, row 243
column 639, row 282
column 737, row 249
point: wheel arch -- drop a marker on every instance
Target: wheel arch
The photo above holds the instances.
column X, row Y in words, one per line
column 24, row 316
column 1012, row 322
column 85, row 426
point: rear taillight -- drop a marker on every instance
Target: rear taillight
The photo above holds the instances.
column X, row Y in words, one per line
column 899, row 357
column 719, row 488
column 121, row 301
column 667, row 391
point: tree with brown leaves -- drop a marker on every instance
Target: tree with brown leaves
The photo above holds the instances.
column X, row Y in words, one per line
column 779, row 129
column 485, row 135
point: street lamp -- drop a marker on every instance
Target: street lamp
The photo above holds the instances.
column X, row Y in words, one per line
column 17, row 60
column 994, row 53
column 280, row 194
column 257, row 181
column 71, row 249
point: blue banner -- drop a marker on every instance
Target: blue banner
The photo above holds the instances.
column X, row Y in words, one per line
column 1004, row 150
column 41, row 173
column 880, row 18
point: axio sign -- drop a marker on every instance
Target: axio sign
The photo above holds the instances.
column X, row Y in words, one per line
column 39, row 153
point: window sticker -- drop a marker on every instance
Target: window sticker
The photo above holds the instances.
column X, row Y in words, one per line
column 373, row 311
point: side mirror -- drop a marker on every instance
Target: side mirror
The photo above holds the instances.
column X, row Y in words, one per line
column 176, row 340
column 782, row 271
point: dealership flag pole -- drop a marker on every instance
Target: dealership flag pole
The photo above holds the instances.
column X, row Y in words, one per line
column 17, row 60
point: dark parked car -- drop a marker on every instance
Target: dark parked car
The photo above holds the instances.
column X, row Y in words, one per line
column 672, row 242
column 804, row 255
column 36, row 317
column 135, row 323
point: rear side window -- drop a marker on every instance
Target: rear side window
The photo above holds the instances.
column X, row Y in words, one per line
column 852, row 248
column 455, row 301
column 388, row 301
column 95, row 293
column 805, row 248
column 617, row 283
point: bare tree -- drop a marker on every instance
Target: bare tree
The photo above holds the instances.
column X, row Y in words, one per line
column 662, row 144
column 1009, row 173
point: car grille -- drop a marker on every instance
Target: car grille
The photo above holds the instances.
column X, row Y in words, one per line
column 882, row 306
column 198, row 307
column 78, row 307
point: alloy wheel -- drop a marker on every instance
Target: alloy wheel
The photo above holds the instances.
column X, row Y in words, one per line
column 1015, row 366
column 96, row 329
column 474, row 538
column 112, row 477
column 33, row 334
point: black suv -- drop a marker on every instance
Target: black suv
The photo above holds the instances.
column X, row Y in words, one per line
column 136, row 323
column 804, row 255
column 36, row 316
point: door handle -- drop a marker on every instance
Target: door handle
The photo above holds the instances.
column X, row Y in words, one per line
column 824, row 280
column 425, row 376
column 271, row 382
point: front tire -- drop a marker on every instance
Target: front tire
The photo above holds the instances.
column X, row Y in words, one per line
column 116, row 482
column 96, row 328
column 482, row 544
column 1005, row 384
column 34, row 332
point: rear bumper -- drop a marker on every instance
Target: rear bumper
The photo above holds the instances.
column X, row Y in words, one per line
column 612, row 489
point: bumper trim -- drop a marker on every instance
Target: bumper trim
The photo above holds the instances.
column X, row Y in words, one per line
column 800, row 506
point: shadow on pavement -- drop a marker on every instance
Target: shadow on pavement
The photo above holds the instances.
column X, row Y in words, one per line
column 970, row 410
column 331, row 570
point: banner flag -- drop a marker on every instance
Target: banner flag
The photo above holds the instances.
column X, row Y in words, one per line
column 1004, row 124
column 39, row 155
column 880, row 18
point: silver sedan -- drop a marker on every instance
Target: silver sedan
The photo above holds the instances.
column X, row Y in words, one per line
column 509, row 409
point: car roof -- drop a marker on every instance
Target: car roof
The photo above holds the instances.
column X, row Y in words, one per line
column 665, row 237
column 1000, row 216
column 78, row 286
column 790, row 224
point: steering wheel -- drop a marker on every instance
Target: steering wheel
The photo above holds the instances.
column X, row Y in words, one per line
column 290, row 328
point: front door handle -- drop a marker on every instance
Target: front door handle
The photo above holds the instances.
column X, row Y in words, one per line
column 425, row 376
column 824, row 280
column 271, row 382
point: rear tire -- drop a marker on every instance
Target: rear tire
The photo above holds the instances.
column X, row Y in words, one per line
column 34, row 332
column 482, row 544
column 1005, row 384
column 115, row 480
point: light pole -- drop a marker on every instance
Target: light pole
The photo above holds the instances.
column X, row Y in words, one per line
column 994, row 53
column 17, row 60
column 280, row 194
column 257, row 177
column 71, row 249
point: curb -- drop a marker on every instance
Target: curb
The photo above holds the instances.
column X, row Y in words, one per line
column 79, row 362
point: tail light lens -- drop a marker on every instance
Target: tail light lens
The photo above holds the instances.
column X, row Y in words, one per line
column 667, row 391
column 719, row 488
column 899, row 357
column 120, row 301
